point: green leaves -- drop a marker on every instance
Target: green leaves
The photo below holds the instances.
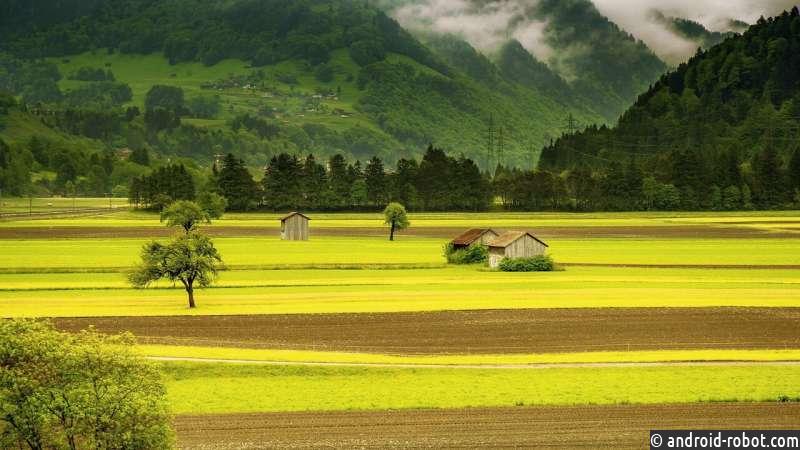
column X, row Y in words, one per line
column 189, row 258
column 87, row 390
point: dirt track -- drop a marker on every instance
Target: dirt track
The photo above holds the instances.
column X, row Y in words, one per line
column 625, row 426
column 493, row 331
column 667, row 231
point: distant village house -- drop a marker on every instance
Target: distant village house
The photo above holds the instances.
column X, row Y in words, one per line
column 515, row 244
column 294, row 227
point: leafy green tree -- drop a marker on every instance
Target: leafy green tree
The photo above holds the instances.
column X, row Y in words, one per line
column 190, row 258
column 395, row 216
column 324, row 73
column 204, row 106
column 212, row 204
column 185, row 214
column 168, row 97
column 75, row 391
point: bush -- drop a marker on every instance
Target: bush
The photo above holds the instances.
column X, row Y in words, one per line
column 85, row 390
column 542, row 263
column 471, row 255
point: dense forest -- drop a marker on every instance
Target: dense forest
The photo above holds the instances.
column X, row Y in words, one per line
column 721, row 130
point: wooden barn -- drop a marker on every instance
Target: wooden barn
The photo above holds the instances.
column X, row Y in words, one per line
column 475, row 236
column 515, row 244
column 294, row 227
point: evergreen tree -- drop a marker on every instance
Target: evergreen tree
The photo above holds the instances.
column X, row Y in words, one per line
column 283, row 189
column 314, row 184
column 768, row 178
column 236, row 185
column 338, row 181
column 375, row 180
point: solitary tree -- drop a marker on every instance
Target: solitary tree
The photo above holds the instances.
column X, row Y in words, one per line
column 396, row 218
column 190, row 258
column 75, row 391
column 184, row 214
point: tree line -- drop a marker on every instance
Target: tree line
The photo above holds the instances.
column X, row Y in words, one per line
column 437, row 182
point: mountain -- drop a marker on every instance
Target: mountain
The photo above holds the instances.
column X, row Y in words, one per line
column 258, row 77
column 727, row 118
column 602, row 64
column 692, row 30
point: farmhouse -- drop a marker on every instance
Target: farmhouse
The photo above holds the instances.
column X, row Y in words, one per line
column 294, row 227
column 515, row 244
column 475, row 236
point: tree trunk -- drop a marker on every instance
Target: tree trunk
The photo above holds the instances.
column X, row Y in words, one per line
column 391, row 233
column 190, row 291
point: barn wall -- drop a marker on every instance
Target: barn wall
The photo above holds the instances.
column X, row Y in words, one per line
column 525, row 247
column 495, row 256
column 295, row 228
column 488, row 237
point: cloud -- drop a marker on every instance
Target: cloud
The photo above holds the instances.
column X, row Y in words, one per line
column 486, row 25
column 636, row 18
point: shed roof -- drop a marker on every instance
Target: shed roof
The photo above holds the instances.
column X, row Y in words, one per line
column 292, row 214
column 509, row 237
column 470, row 236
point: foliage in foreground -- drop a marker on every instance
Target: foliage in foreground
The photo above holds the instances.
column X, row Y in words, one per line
column 69, row 391
column 543, row 263
column 475, row 254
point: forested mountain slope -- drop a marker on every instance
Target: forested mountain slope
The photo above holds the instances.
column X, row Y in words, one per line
column 264, row 76
column 728, row 118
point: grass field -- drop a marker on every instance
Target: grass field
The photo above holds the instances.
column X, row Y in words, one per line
column 297, row 356
column 82, row 254
column 622, row 275
column 210, row 388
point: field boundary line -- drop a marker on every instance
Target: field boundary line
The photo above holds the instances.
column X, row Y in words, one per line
column 538, row 366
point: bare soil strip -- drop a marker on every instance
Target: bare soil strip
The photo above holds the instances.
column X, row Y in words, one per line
column 667, row 231
column 473, row 332
column 620, row 426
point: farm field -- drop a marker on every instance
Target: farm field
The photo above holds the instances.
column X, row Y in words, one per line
column 662, row 311
column 618, row 426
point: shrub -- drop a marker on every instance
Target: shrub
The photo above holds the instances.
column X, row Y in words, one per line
column 542, row 263
column 471, row 255
column 85, row 390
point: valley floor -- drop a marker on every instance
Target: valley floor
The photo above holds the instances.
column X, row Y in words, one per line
column 349, row 340
column 619, row 426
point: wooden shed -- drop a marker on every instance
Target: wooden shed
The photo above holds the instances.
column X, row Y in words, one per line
column 294, row 227
column 515, row 244
column 475, row 236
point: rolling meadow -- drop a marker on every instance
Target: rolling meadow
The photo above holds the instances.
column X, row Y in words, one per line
column 644, row 309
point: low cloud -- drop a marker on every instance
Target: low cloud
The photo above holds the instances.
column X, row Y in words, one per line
column 487, row 24
column 637, row 19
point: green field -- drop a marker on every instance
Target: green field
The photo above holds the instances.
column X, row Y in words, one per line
column 304, row 356
column 212, row 388
column 328, row 291
column 85, row 277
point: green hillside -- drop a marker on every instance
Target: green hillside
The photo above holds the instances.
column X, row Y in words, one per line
column 722, row 125
column 267, row 77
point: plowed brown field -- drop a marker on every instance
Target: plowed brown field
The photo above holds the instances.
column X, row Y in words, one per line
column 625, row 426
column 493, row 331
